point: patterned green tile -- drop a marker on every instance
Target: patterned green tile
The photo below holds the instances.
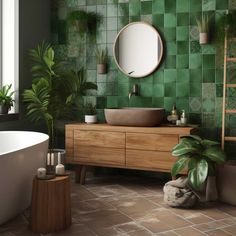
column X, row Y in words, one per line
column 183, row 19
column 208, row 61
column 208, row 90
column 219, row 90
column 170, row 89
column 169, row 20
column 146, row 7
column 209, row 76
column 182, row 33
column 169, row 6
column 134, row 8
column 182, row 61
column 195, row 61
column 146, row 18
column 208, row 105
column 182, row 5
column 195, row 104
column 182, row 47
column 101, row 91
column 209, row 5
column 158, row 6
column 232, row 4
column 195, row 47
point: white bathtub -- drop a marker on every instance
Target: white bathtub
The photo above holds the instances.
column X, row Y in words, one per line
column 21, row 153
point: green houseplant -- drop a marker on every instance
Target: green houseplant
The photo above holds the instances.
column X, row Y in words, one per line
column 90, row 113
column 199, row 156
column 101, row 55
column 55, row 91
column 203, row 28
column 6, row 99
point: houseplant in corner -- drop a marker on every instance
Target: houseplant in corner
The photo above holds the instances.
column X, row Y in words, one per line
column 101, row 55
column 203, row 28
column 55, row 91
column 200, row 157
column 90, row 114
column 6, row 99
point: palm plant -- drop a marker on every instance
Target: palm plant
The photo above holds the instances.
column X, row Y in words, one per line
column 54, row 90
column 199, row 156
column 101, row 55
column 6, row 97
column 203, row 23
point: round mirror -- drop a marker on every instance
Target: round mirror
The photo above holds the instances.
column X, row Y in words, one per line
column 138, row 49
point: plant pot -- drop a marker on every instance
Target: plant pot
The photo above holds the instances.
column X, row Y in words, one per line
column 90, row 119
column 226, row 182
column 4, row 109
column 101, row 68
column 203, row 38
column 211, row 190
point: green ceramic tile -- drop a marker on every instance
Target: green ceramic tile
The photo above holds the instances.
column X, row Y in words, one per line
column 112, row 10
column 182, row 61
column 123, row 89
column 182, row 104
column 193, row 16
column 146, row 89
column 170, row 34
column 101, row 37
column 101, row 102
column 158, row 76
column 111, row 23
column 62, row 32
column 208, row 104
column 195, row 5
column 169, row 6
column 182, row 5
column 195, row 75
column 208, row 49
column 195, row 104
column 101, row 2
column 146, row 18
column 182, row 19
column 232, row 4
column 182, row 89
column 111, row 89
column 122, row 21
column 208, row 90
column 158, row 90
column 146, row 7
column 123, row 101
column 91, row 2
column 123, row 9
column 182, row 33
column 168, row 103
column 102, row 10
column 148, row 79
column 111, row 35
column 158, row 102
column 170, row 75
column 170, row 89
column 195, row 61
column 101, row 91
column 171, row 48
column 158, row 20
column 182, row 47
column 219, row 90
column 158, row 6
column 169, row 20
column 195, row 89
column 209, row 76
column 195, row 47
column 138, row 101
column 221, row 5
column 170, row 62
column 208, row 61
column 209, row 5
column 134, row 18
column 101, row 78
column 183, row 75
column 195, row 118
column 134, row 8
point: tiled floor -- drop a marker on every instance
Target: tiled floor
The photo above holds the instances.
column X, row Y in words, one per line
column 114, row 205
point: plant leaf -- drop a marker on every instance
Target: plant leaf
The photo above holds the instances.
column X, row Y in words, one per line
column 198, row 175
column 215, row 154
column 207, row 143
column 179, row 165
column 186, row 146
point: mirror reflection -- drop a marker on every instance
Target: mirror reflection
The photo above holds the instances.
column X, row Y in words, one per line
column 138, row 49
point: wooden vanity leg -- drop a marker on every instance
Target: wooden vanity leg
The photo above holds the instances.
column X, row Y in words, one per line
column 77, row 173
column 83, row 175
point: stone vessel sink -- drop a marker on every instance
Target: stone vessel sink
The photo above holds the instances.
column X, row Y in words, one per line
column 134, row 116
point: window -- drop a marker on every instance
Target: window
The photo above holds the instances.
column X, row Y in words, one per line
column 9, row 43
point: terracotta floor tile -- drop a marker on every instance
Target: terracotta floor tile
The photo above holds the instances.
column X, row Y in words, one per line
column 218, row 232
column 140, row 233
column 210, row 226
column 189, row 231
column 231, row 229
column 129, row 227
column 198, row 218
column 169, row 233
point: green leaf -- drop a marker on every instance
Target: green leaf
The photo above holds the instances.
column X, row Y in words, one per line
column 192, row 163
column 198, row 175
column 207, row 143
column 195, row 137
column 215, row 154
column 179, row 165
column 186, row 146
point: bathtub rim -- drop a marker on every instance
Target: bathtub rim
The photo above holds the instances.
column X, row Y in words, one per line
column 46, row 138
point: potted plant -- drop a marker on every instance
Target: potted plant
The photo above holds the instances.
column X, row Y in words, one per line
column 203, row 28
column 101, row 55
column 90, row 113
column 200, row 157
column 6, row 99
column 55, row 91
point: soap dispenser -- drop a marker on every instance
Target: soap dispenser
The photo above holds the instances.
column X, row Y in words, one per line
column 183, row 118
column 174, row 114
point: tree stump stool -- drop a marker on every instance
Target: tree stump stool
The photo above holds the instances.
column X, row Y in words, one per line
column 50, row 205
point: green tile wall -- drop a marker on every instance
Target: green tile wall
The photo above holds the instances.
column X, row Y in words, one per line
column 188, row 74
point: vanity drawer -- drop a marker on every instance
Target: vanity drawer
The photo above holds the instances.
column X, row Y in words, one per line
column 99, row 155
column 151, row 142
column 99, row 139
column 150, row 160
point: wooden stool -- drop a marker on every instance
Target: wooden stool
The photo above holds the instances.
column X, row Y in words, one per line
column 50, row 206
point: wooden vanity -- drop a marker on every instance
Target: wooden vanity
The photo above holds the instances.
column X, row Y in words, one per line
column 141, row 148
